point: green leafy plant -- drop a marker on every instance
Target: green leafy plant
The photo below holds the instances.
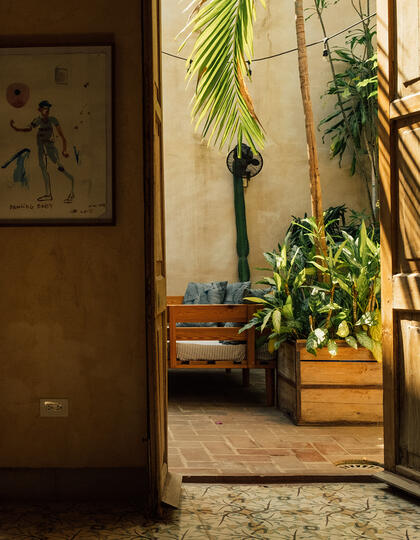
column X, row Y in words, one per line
column 337, row 219
column 223, row 46
column 323, row 297
column 346, row 304
column 281, row 315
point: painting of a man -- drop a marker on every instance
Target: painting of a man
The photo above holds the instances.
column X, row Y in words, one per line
column 47, row 150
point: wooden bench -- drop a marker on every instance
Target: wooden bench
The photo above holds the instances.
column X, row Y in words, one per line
column 218, row 313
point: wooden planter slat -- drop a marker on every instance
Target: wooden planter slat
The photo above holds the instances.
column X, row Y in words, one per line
column 324, row 389
column 314, row 373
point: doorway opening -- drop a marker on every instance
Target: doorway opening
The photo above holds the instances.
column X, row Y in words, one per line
column 219, row 423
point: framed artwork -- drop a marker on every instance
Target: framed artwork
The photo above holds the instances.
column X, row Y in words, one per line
column 56, row 135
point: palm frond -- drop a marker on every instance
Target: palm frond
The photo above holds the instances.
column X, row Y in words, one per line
column 222, row 105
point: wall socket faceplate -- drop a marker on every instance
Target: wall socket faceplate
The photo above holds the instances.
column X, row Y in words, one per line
column 53, row 407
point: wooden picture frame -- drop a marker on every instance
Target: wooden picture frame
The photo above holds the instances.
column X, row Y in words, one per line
column 56, row 162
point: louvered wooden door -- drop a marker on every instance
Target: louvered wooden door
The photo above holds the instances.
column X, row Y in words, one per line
column 399, row 128
column 155, row 246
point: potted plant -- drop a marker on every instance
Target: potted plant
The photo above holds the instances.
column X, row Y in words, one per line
column 323, row 316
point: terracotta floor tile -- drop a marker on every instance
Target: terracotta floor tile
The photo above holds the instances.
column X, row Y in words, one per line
column 233, row 466
column 189, row 471
column 279, row 451
column 253, row 451
column 218, row 447
column 323, row 468
column 241, row 471
column 290, row 444
column 202, row 464
column 235, row 458
column 217, row 427
column 177, row 461
column 287, row 462
column 263, row 436
column 338, row 458
column 211, row 438
column 181, row 429
column 264, row 469
column 186, row 444
column 346, row 440
column 362, row 451
column 267, row 443
column 194, row 454
column 308, row 455
column 329, row 448
column 241, row 442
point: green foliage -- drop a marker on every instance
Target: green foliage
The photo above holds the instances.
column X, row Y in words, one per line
column 336, row 221
column 352, row 126
column 224, row 44
column 357, row 84
column 323, row 297
column 345, row 302
column 281, row 313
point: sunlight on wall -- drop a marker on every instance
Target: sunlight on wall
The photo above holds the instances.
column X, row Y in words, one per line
column 199, row 189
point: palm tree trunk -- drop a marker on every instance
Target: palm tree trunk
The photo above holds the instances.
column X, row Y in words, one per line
column 314, row 178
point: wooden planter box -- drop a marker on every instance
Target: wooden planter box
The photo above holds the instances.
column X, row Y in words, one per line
column 345, row 389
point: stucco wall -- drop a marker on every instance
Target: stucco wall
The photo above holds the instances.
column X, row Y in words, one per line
column 72, row 298
column 199, row 193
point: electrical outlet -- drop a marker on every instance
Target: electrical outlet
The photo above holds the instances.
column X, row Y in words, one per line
column 53, row 407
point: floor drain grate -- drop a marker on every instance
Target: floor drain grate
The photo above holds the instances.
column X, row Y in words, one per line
column 359, row 465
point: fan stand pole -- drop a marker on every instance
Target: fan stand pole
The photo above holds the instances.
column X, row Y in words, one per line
column 242, row 244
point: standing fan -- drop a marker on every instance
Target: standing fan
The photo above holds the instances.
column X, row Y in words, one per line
column 242, row 168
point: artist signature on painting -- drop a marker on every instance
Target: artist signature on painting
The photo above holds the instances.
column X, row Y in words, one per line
column 30, row 206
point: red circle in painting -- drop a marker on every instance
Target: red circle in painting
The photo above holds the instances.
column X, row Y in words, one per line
column 17, row 94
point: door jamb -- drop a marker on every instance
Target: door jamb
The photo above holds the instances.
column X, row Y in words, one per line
column 148, row 179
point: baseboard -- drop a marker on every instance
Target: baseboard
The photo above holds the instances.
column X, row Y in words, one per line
column 58, row 484
column 282, row 478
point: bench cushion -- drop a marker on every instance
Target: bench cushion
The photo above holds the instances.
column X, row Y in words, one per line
column 214, row 350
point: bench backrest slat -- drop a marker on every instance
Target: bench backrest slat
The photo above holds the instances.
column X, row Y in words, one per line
column 209, row 313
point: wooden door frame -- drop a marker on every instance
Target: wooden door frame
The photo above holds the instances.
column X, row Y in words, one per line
column 148, row 179
column 387, row 134
column 388, row 217
column 392, row 111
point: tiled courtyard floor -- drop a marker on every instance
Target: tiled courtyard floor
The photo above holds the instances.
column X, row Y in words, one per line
column 219, row 428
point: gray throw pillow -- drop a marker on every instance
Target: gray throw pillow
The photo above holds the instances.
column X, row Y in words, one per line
column 235, row 292
column 235, row 295
column 204, row 293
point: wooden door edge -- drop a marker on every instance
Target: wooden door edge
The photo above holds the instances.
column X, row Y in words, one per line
column 400, row 482
column 154, row 471
column 171, row 493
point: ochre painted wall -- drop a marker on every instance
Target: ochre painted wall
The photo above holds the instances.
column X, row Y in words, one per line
column 199, row 192
column 72, row 298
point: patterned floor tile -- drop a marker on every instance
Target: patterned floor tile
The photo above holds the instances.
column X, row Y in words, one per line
column 96, row 522
column 224, row 512
column 311, row 511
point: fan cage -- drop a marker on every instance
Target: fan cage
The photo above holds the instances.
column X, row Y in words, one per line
column 247, row 173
